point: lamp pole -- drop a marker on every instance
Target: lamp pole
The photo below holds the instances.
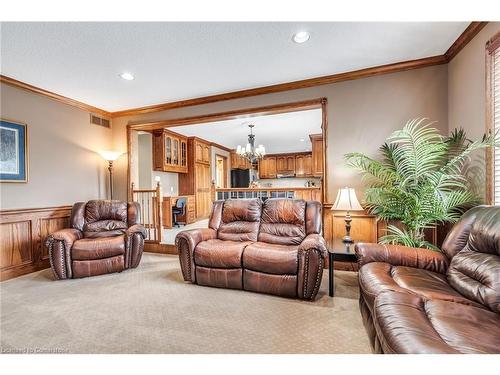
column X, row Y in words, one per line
column 110, row 169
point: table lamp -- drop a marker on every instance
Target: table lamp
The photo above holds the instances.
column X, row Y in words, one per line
column 347, row 201
column 110, row 156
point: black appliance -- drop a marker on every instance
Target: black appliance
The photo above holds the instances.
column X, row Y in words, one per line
column 240, row 178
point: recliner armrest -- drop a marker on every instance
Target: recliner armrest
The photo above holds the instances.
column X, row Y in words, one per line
column 398, row 255
column 67, row 235
column 185, row 243
column 59, row 245
column 314, row 242
column 195, row 236
column 137, row 228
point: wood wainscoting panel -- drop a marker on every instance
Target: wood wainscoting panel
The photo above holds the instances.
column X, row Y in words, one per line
column 363, row 226
column 363, row 229
column 16, row 244
column 22, row 237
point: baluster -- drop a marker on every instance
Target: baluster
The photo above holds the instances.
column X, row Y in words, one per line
column 149, row 212
column 142, row 211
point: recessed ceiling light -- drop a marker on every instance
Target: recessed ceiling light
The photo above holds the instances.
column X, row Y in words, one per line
column 127, row 76
column 302, row 139
column 301, row 37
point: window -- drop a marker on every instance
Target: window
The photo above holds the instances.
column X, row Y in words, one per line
column 493, row 117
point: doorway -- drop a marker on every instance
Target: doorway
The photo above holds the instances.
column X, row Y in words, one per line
column 221, row 171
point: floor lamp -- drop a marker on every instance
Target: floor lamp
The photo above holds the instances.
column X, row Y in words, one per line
column 110, row 156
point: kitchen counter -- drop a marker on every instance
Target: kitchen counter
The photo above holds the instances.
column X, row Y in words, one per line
column 307, row 193
column 270, row 188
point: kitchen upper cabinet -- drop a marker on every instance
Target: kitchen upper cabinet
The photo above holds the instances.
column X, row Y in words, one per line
column 280, row 164
column 303, row 165
column 317, row 154
column 202, row 151
column 285, row 164
column 169, row 152
column 267, row 167
column 290, row 164
column 239, row 162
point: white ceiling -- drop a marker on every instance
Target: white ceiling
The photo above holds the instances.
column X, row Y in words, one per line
column 174, row 61
column 278, row 133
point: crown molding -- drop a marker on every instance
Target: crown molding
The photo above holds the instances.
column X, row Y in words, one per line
column 469, row 33
column 295, row 85
column 63, row 99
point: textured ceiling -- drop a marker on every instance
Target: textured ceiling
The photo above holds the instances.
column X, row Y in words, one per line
column 278, row 133
column 174, row 61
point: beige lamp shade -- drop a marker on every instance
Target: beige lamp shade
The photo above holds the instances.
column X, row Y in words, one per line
column 110, row 155
column 347, row 200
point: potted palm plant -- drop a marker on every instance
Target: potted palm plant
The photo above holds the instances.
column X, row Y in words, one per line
column 419, row 181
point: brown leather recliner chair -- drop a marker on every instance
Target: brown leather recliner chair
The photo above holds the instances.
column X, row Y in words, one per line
column 273, row 247
column 424, row 301
column 105, row 237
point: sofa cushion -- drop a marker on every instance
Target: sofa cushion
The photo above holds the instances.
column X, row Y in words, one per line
column 96, row 210
column 271, row 258
column 377, row 277
column 407, row 323
column 474, row 270
column 240, row 220
column 283, row 221
column 219, row 254
column 98, row 248
column 104, row 228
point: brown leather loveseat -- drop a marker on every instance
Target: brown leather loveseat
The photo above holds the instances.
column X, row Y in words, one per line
column 273, row 247
column 424, row 301
column 105, row 237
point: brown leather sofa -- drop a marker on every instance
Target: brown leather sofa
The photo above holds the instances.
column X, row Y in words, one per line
column 273, row 247
column 105, row 237
column 424, row 301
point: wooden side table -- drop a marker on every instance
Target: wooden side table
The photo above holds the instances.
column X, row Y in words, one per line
column 338, row 251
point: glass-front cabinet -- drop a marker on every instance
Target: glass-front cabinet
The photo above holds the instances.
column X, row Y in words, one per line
column 169, row 152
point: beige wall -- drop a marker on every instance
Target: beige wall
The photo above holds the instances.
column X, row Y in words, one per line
column 361, row 114
column 63, row 165
column 145, row 160
column 467, row 93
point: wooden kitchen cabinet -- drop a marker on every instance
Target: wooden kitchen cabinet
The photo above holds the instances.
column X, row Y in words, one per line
column 281, row 164
column 290, row 164
column 303, row 165
column 267, row 167
column 309, row 194
column 285, row 164
column 239, row 162
column 198, row 180
column 317, row 154
column 202, row 151
column 170, row 152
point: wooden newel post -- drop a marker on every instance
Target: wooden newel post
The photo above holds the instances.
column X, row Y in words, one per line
column 159, row 202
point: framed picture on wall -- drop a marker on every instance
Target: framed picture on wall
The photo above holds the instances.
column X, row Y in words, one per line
column 13, row 151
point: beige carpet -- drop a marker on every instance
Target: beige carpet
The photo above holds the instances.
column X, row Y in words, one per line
column 152, row 310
